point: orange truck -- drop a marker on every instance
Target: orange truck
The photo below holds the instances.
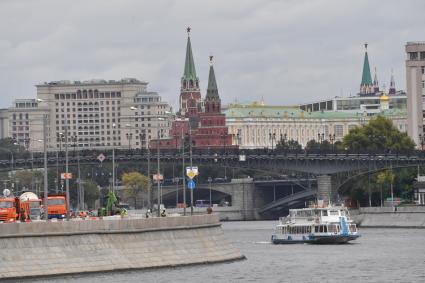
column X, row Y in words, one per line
column 56, row 205
column 25, row 208
column 8, row 210
column 31, row 205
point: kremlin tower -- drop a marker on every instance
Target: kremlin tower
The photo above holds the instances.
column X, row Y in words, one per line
column 206, row 126
column 366, row 85
column 190, row 94
column 212, row 131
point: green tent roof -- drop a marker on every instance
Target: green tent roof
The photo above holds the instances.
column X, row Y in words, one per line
column 366, row 76
column 189, row 66
column 212, row 90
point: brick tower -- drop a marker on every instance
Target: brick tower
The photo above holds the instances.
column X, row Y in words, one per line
column 190, row 94
column 212, row 131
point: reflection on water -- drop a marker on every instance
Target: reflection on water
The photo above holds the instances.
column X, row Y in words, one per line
column 380, row 255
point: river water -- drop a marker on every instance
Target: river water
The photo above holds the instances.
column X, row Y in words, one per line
column 380, row 255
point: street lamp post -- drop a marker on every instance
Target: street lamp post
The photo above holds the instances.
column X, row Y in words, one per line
column 68, row 202
column 46, row 204
column 332, row 140
column 80, row 188
column 209, row 181
column 113, row 163
column 183, row 177
column 158, row 166
column 272, row 138
column 191, row 165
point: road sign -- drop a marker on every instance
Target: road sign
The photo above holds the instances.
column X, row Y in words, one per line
column 191, row 172
column 191, row 184
column 101, row 157
column 158, row 177
column 66, row 176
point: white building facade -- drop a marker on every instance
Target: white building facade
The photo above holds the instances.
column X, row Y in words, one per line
column 260, row 126
column 89, row 114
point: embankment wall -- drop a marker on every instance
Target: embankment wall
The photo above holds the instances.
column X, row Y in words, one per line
column 386, row 217
column 43, row 249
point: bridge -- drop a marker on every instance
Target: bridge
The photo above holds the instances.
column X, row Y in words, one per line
column 330, row 169
column 247, row 198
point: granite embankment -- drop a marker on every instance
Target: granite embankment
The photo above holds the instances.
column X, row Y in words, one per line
column 387, row 217
column 54, row 248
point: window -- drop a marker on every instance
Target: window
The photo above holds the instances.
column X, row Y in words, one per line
column 423, row 70
column 339, row 130
column 413, row 55
column 422, row 55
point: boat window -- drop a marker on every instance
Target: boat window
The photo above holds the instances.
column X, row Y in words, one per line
column 332, row 228
column 333, row 212
column 325, row 229
column 324, row 213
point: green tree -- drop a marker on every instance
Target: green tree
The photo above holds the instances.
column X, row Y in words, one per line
column 134, row 183
column 314, row 146
column 291, row 145
column 379, row 135
column 384, row 178
column 91, row 192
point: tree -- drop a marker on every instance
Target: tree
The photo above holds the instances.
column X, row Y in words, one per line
column 384, row 178
column 379, row 135
column 291, row 145
column 91, row 192
column 27, row 178
column 314, row 146
column 134, row 183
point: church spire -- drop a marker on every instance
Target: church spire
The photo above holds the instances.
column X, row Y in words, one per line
column 366, row 86
column 212, row 90
column 375, row 82
column 392, row 84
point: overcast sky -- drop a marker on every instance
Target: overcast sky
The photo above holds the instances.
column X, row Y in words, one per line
column 288, row 52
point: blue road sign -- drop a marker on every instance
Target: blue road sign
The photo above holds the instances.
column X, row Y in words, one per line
column 191, row 184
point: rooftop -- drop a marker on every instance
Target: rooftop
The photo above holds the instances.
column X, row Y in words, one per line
column 245, row 111
column 94, row 82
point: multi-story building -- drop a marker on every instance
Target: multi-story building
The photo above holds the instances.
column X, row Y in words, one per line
column 93, row 114
column 261, row 126
column 415, row 82
column 25, row 123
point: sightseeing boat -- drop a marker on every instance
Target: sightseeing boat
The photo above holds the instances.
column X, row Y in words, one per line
column 316, row 225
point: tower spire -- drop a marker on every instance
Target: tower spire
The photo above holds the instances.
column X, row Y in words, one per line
column 366, row 85
column 212, row 99
column 212, row 90
column 375, row 82
column 392, row 84
column 189, row 66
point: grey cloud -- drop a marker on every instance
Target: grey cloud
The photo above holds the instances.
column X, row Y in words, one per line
column 285, row 51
